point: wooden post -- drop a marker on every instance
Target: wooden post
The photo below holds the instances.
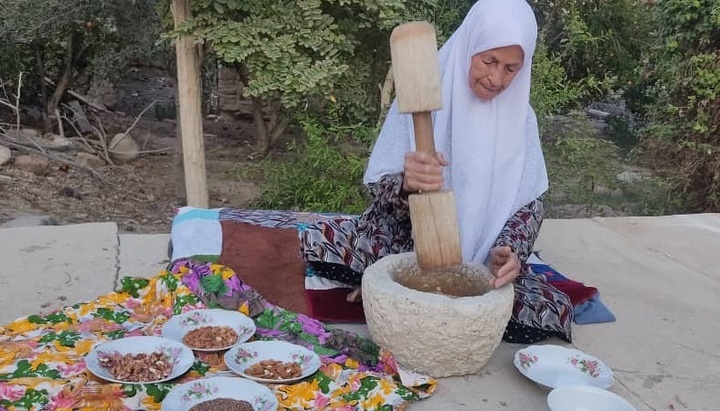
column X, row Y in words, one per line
column 188, row 66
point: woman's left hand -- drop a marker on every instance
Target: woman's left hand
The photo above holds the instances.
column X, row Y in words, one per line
column 504, row 266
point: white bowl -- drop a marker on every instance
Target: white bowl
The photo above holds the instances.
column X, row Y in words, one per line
column 179, row 325
column 554, row 366
column 241, row 357
column 185, row 396
column 181, row 356
column 586, row 398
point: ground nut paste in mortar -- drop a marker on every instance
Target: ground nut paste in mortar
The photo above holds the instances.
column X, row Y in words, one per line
column 223, row 404
column 460, row 281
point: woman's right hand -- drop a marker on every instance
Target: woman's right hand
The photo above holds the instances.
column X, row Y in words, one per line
column 423, row 171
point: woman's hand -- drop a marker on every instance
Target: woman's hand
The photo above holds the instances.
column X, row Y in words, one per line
column 504, row 266
column 423, row 171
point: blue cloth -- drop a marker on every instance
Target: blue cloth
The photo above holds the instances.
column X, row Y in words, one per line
column 593, row 311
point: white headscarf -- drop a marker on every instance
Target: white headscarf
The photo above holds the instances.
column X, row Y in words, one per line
column 496, row 162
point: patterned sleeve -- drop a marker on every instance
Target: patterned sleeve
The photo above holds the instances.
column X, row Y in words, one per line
column 522, row 229
column 389, row 200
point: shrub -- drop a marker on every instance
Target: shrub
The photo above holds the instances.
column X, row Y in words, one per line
column 599, row 42
column 322, row 174
column 682, row 85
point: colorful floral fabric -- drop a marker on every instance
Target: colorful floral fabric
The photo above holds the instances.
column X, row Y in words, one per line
column 42, row 356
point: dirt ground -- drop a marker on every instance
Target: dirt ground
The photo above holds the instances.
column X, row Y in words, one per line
column 141, row 195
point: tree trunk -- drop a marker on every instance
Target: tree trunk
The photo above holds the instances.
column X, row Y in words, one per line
column 178, row 169
column 188, row 67
column 268, row 131
column 47, row 124
column 386, row 91
column 64, row 83
column 262, row 136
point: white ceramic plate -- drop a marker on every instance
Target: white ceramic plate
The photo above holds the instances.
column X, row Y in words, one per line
column 181, row 356
column 554, row 366
column 586, row 398
column 185, row 396
column 179, row 325
column 242, row 356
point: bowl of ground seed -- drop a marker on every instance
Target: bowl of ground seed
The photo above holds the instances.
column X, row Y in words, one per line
column 220, row 394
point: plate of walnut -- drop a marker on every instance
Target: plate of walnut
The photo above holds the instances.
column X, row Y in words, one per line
column 139, row 360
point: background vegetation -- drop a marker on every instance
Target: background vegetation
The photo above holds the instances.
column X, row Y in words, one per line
column 317, row 69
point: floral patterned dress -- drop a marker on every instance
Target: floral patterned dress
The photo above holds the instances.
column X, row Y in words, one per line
column 340, row 249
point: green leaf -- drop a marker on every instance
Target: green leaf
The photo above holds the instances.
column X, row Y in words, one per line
column 323, row 382
column 200, row 367
column 213, row 283
column 58, row 317
column 158, row 391
column 118, row 317
column 132, row 285
column 114, row 335
column 170, row 281
column 130, row 390
column 68, row 338
column 24, row 370
column 267, row 319
column 36, row 319
column 32, row 399
column 182, row 301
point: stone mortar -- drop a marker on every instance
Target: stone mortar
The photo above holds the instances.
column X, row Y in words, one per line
column 433, row 334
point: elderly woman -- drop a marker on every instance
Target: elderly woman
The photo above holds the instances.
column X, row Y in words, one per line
column 488, row 153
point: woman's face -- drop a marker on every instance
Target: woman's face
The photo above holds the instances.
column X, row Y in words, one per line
column 493, row 70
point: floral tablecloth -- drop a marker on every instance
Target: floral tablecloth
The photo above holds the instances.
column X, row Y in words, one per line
column 42, row 356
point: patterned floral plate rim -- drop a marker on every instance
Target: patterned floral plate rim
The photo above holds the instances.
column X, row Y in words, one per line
column 586, row 397
column 182, row 357
column 553, row 366
column 242, row 356
column 185, row 396
column 179, row 325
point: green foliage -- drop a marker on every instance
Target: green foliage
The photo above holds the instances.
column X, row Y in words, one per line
column 551, row 90
column 290, row 51
column 577, row 161
column 599, row 42
column 323, row 174
column 99, row 37
column 583, row 170
column 681, row 92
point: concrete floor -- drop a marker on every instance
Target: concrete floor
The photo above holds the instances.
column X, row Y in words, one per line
column 660, row 276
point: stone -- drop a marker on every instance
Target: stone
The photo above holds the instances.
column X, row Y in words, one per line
column 29, row 132
column 103, row 93
column 630, row 177
column 602, row 190
column 30, row 221
column 33, row 163
column 230, row 87
column 56, row 142
column 433, row 334
column 5, row 155
column 89, row 160
column 123, row 147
